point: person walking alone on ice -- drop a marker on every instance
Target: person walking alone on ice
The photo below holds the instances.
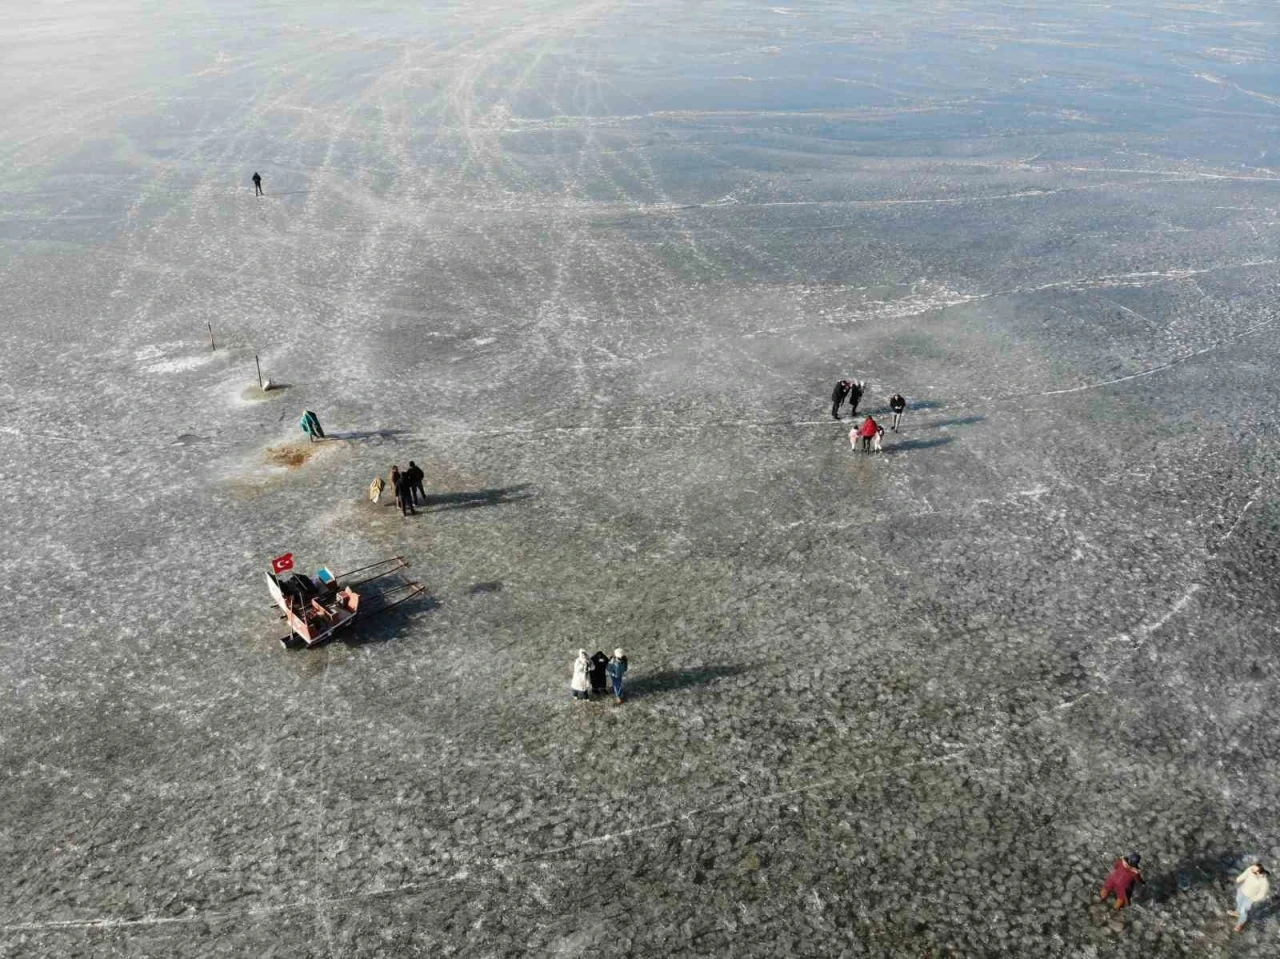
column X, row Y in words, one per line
column 1253, row 886
column 837, row 397
column 257, row 184
column 579, row 685
column 617, row 668
column 898, row 404
column 1124, row 875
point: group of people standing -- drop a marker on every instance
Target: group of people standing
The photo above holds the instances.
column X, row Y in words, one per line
column 406, row 486
column 1253, row 886
column 867, row 435
column 592, row 673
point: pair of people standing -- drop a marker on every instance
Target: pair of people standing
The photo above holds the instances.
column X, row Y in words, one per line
column 1253, row 886
column 590, row 674
column 407, row 487
column 850, row 390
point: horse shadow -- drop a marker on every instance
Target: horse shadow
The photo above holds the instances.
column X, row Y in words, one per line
column 674, row 680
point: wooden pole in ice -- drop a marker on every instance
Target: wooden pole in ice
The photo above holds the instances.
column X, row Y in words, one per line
column 259, row 366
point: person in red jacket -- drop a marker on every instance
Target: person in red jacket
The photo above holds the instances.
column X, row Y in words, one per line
column 868, row 429
column 1124, row 875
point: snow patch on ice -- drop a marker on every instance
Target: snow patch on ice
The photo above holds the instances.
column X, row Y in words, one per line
column 159, row 358
column 178, row 365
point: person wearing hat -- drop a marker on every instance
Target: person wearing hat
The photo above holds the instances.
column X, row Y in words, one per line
column 1124, row 876
column 617, row 668
column 579, row 685
column 1253, row 887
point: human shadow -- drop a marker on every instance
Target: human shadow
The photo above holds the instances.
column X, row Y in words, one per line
column 365, row 434
column 907, row 446
column 880, row 407
column 955, row 421
column 472, row 499
column 674, row 680
column 1202, row 869
column 914, row 405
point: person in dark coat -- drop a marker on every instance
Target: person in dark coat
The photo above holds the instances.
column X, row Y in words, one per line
column 598, row 672
column 415, row 477
column 898, row 404
column 837, row 397
column 400, row 489
column 855, row 396
column 404, row 494
column 257, row 184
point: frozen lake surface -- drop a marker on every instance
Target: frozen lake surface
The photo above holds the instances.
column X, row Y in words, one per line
column 595, row 266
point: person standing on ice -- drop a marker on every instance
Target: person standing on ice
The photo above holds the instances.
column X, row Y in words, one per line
column 1253, row 887
column 598, row 673
column 405, row 494
column 310, row 424
column 1124, row 875
column 837, row 397
column 399, row 484
column 617, row 668
column 856, row 389
column 415, row 476
column 257, row 184
column 579, row 685
column 898, row 404
column 867, row 431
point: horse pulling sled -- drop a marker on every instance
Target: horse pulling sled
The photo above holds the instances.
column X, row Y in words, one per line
column 318, row 607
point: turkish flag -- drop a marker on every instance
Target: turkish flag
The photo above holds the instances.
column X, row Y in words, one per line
column 281, row 563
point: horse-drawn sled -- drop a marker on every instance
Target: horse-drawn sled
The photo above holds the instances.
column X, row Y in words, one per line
column 320, row 606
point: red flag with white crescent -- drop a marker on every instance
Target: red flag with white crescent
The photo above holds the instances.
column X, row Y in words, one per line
column 282, row 563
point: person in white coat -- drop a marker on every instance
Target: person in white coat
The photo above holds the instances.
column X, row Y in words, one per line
column 580, row 685
column 1254, row 886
